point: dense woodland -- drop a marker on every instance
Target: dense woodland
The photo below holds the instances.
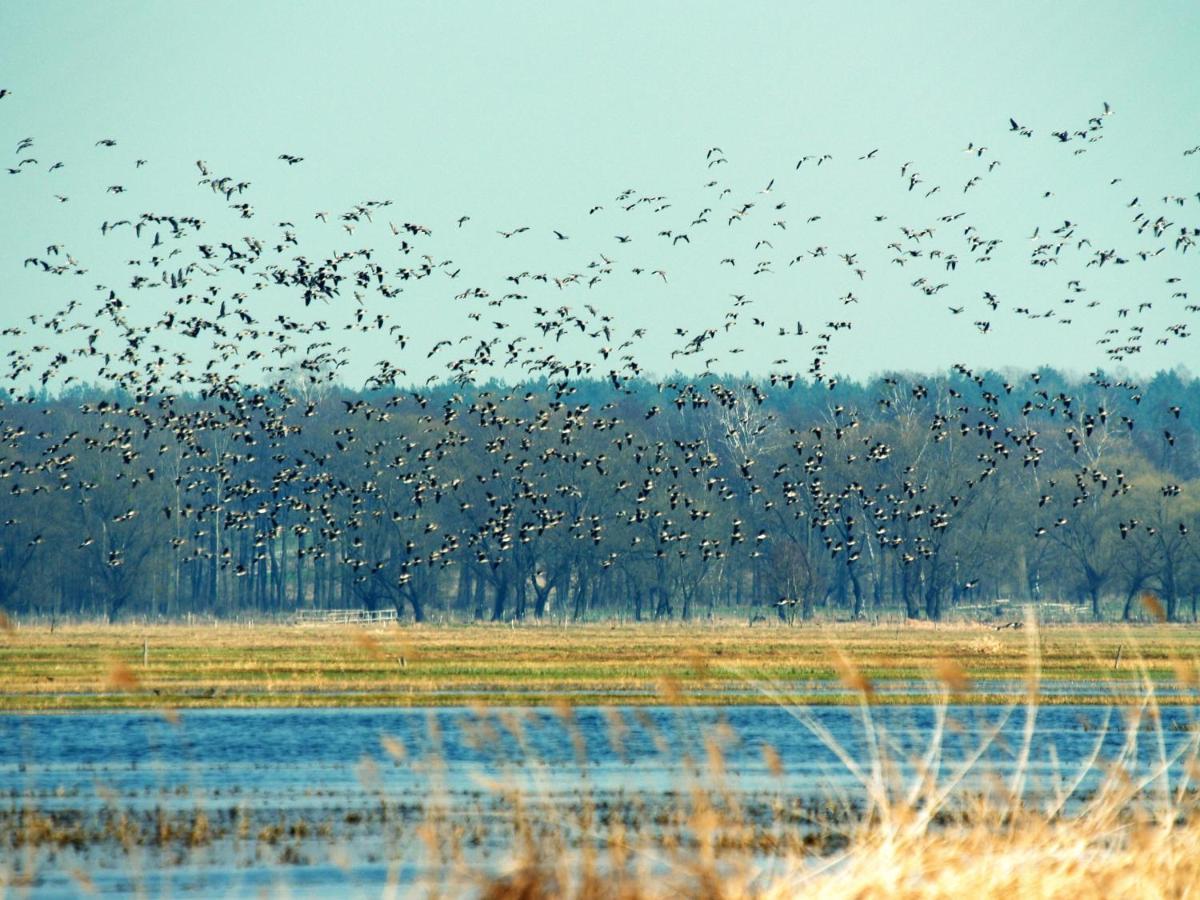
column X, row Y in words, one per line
column 587, row 500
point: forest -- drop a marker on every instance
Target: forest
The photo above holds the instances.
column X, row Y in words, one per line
column 582, row 500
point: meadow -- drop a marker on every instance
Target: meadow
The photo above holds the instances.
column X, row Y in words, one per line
column 76, row 667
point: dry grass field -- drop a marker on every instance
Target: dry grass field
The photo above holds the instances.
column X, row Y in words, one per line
column 214, row 665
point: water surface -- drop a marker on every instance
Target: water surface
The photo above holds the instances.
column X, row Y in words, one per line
column 363, row 780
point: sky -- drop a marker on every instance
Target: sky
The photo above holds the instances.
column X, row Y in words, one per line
column 535, row 113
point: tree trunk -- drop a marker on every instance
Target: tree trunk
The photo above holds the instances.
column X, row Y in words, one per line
column 581, row 598
column 417, row 602
column 856, row 584
column 540, row 596
column 912, row 606
column 522, row 594
column 663, row 607
column 933, row 601
column 462, row 597
column 480, row 596
column 499, row 599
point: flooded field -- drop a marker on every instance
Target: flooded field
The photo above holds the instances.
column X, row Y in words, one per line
column 234, row 802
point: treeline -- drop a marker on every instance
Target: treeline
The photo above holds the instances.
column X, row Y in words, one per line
column 594, row 499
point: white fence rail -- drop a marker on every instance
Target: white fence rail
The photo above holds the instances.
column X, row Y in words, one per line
column 344, row 616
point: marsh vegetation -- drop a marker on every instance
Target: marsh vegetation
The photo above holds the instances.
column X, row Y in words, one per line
column 689, row 789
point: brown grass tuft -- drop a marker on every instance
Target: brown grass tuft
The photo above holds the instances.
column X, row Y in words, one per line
column 952, row 675
column 1153, row 606
column 369, row 644
column 852, row 677
column 120, row 677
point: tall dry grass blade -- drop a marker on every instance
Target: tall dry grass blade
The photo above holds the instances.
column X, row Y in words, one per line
column 851, row 676
column 772, row 760
column 1162, row 770
column 1160, row 740
column 925, row 776
column 394, row 748
column 946, row 790
column 1083, row 769
column 1114, row 792
column 1033, row 679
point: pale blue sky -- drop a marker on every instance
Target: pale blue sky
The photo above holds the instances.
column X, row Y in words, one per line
column 532, row 113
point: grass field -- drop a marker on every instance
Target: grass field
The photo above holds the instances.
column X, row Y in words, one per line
column 223, row 665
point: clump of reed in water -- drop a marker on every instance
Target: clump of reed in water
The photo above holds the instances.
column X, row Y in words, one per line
column 928, row 835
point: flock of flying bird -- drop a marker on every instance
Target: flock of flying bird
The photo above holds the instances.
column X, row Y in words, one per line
column 244, row 318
